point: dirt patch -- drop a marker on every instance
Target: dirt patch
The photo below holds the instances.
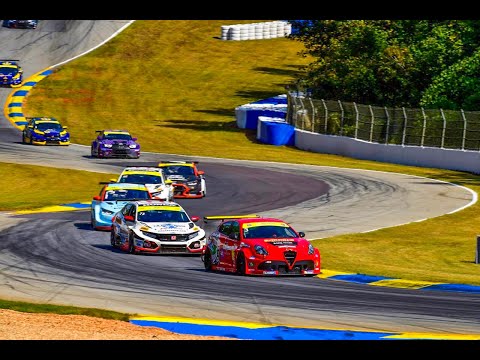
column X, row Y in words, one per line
column 16, row 325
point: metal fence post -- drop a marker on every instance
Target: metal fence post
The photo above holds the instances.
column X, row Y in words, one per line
column 404, row 126
column 444, row 127
column 357, row 118
column 326, row 116
column 373, row 121
column 424, row 127
column 342, row 114
column 313, row 113
column 388, row 125
column 464, row 129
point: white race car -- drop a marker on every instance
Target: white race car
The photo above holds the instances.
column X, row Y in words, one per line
column 155, row 226
column 151, row 177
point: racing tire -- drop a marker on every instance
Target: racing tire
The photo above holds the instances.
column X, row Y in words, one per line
column 112, row 238
column 207, row 260
column 91, row 152
column 93, row 223
column 24, row 141
column 131, row 246
column 31, row 141
column 241, row 264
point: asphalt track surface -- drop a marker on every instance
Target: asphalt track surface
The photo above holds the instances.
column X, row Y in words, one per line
column 57, row 258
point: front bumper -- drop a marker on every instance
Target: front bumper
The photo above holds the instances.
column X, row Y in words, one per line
column 51, row 142
column 182, row 191
column 302, row 265
column 194, row 246
column 122, row 153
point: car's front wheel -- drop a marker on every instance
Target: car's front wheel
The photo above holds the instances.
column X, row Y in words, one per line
column 207, row 260
column 131, row 245
column 241, row 264
column 112, row 238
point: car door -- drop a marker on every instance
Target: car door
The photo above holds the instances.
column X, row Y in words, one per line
column 124, row 227
column 230, row 244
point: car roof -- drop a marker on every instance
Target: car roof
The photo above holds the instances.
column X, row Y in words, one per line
column 177, row 163
column 113, row 131
column 125, row 186
column 158, row 204
column 142, row 170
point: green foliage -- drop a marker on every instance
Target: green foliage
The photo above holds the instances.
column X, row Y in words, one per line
column 390, row 62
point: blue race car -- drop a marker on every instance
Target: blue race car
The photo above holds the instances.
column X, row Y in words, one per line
column 11, row 74
column 115, row 143
column 45, row 131
column 20, row 24
column 111, row 199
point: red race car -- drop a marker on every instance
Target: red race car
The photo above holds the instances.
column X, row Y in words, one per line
column 253, row 245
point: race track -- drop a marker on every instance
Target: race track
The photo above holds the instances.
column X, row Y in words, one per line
column 57, row 258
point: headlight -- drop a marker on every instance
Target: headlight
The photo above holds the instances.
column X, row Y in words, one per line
column 260, row 250
column 193, row 235
column 107, row 212
column 311, row 249
column 107, row 145
column 149, row 234
column 133, row 146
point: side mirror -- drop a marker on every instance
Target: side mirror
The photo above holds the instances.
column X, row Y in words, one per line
column 99, row 137
column 195, row 218
column 302, row 234
column 97, row 198
column 128, row 218
column 168, row 182
column 135, row 139
column 30, row 126
column 65, row 127
column 201, row 172
column 112, row 180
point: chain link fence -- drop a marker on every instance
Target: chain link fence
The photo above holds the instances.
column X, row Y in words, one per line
column 439, row 128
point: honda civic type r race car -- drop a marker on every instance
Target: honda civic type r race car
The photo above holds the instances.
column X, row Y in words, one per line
column 156, row 227
column 188, row 181
column 115, row 143
column 151, row 177
column 111, row 199
column 252, row 245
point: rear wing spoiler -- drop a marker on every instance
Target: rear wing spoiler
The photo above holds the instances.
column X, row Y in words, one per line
column 227, row 217
column 177, row 162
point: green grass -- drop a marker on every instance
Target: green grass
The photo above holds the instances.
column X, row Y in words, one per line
column 175, row 85
column 63, row 310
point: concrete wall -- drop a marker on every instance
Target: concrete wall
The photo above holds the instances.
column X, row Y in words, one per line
column 459, row 160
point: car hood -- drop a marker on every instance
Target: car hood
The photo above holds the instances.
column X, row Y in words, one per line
column 290, row 243
column 181, row 178
column 50, row 132
column 169, row 228
column 113, row 205
column 118, row 142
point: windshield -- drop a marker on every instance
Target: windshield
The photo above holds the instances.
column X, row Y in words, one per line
column 48, row 126
column 8, row 71
column 178, row 170
column 126, row 195
column 117, row 137
column 141, row 179
column 162, row 216
column 270, row 231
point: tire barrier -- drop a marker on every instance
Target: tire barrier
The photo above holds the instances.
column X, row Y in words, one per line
column 275, row 131
column 256, row 31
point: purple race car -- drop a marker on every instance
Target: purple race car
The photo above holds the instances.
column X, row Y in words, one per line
column 115, row 143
